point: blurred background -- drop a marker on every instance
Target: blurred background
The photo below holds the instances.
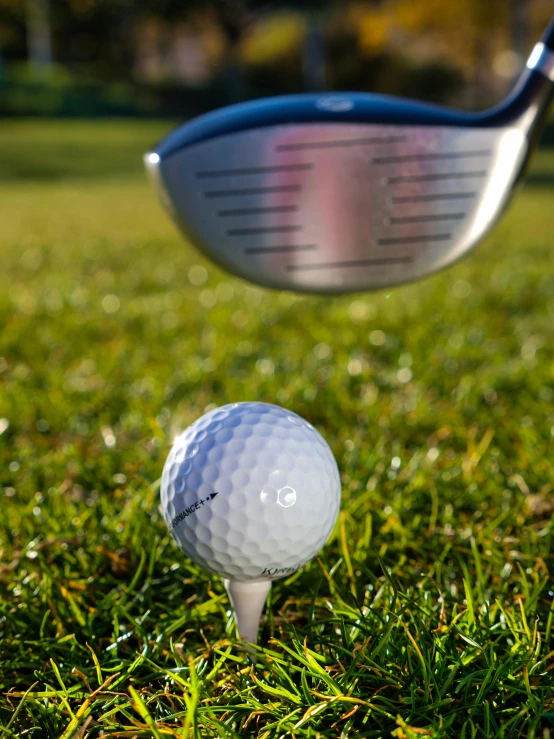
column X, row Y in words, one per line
column 182, row 57
column 437, row 398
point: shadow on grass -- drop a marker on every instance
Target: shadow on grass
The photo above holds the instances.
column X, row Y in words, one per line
column 547, row 137
column 541, row 179
column 541, row 173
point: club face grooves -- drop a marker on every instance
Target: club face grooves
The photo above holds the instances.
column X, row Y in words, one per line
column 432, row 198
column 433, row 156
column 257, row 211
column 245, row 191
column 339, row 143
column 339, row 208
column 428, row 218
column 250, row 171
column 286, row 248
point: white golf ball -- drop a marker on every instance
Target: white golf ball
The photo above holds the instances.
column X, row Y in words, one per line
column 250, row 491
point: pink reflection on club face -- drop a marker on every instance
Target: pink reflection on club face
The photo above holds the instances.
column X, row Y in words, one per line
column 358, row 205
column 324, row 232
column 331, row 203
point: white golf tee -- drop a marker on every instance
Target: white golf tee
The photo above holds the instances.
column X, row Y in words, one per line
column 248, row 599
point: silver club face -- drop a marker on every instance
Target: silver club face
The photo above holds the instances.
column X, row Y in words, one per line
column 340, row 207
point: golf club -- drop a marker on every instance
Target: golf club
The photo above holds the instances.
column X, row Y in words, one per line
column 337, row 193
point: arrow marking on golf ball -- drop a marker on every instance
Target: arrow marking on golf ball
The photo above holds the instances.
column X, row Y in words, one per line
column 189, row 510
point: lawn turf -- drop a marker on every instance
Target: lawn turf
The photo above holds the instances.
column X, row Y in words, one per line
column 430, row 611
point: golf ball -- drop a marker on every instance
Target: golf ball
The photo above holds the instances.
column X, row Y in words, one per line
column 250, row 491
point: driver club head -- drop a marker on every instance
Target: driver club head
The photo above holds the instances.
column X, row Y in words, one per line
column 346, row 192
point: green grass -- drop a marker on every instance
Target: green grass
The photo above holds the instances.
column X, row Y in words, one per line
column 430, row 611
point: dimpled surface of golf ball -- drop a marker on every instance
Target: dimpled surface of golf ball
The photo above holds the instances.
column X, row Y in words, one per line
column 250, row 491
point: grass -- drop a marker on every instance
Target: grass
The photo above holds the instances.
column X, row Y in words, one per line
column 430, row 611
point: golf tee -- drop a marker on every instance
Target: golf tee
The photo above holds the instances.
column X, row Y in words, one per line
column 248, row 599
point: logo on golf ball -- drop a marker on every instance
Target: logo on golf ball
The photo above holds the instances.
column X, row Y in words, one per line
column 189, row 510
column 272, row 572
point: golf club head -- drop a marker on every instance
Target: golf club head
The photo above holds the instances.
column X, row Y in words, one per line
column 347, row 192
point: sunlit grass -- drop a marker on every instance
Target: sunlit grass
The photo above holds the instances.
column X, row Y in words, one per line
column 430, row 611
